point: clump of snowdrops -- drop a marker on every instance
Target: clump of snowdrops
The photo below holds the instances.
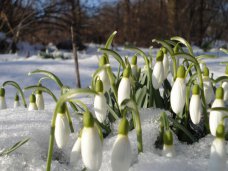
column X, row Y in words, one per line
column 176, row 80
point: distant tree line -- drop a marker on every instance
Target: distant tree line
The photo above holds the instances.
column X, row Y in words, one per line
column 137, row 21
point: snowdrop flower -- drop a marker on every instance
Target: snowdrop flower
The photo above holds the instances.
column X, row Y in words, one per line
column 215, row 117
column 100, row 106
column 39, row 100
column 76, row 151
column 62, row 129
column 134, row 67
column 32, row 103
column 217, row 161
column 178, row 92
column 165, row 63
column 121, row 150
column 168, row 148
column 202, row 66
column 208, row 88
column 195, row 107
column 16, row 101
column 91, row 145
column 103, row 75
column 158, row 71
column 124, row 88
column 2, row 99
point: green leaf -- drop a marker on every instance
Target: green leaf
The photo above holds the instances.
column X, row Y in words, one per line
column 14, row 147
column 184, row 42
column 14, row 84
column 186, row 56
column 110, row 39
column 48, row 74
column 114, row 54
column 165, row 45
column 164, row 120
column 112, row 112
column 182, row 128
column 43, row 89
column 140, row 96
column 221, row 79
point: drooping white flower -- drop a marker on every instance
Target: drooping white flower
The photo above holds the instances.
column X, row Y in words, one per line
column 39, row 100
column 91, row 145
column 32, row 103
column 16, row 101
column 2, row 99
column 217, row 161
column 103, row 75
column 202, row 65
column 208, row 88
column 165, row 63
column 225, row 87
column 121, row 150
column 178, row 92
column 76, row 152
column 62, row 129
column 100, row 106
column 158, row 71
column 134, row 67
column 124, row 89
column 168, row 147
column 195, row 107
column 215, row 117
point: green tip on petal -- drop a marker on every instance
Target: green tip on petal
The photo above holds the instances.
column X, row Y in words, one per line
column 32, row 98
column 134, row 60
column 164, row 50
column 181, row 72
column 195, row 89
column 220, row 131
column 123, row 127
column 176, row 48
column 62, row 109
column 226, row 72
column 159, row 55
column 103, row 61
column 38, row 92
column 168, row 138
column 88, row 120
column 206, row 71
column 99, row 86
column 2, row 92
column 219, row 93
column 127, row 72
column 16, row 97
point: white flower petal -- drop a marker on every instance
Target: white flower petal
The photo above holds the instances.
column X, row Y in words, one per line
column 225, row 88
column 104, row 78
column 166, row 65
column 121, row 154
column 40, row 101
column 124, row 90
column 217, row 160
column 76, row 152
column 208, row 90
column 216, row 116
column 177, row 96
column 32, row 106
column 195, row 109
column 16, row 104
column 158, row 75
column 100, row 107
column 91, row 148
column 168, row 151
column 2, row 103
column 62, row 130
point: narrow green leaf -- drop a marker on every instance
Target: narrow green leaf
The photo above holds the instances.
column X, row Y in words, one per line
column 184, row 42
column 140, row 96
column 110, row 39
column 14, row 84
column 42, row 88
column 14, row 147
column 165, row 45
column 221, row 79
column 48, row 74
column 205, row 57
column 112, row 112
column 186, row 56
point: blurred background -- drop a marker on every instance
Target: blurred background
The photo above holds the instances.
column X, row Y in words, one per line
column 203, row 22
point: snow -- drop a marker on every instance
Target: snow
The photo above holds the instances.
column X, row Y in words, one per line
column 17, row 124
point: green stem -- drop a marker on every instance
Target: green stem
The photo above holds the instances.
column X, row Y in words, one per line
column 69, row 120
column 50, row 149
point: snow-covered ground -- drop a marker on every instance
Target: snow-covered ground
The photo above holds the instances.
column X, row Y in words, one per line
column 17, row 124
